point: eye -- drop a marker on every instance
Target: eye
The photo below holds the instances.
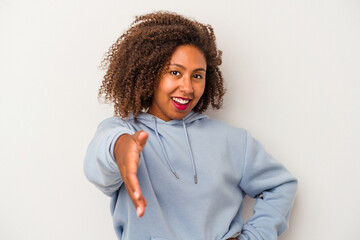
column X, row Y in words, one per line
column 175, row 73
column 198, row 76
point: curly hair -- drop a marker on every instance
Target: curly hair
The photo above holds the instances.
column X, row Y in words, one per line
column 137, row 59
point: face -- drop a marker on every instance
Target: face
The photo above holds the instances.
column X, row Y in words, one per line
column 181, row 85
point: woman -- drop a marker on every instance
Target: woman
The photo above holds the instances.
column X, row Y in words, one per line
column 172, row 172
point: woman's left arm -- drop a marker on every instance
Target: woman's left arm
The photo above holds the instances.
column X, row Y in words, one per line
column 273, row 187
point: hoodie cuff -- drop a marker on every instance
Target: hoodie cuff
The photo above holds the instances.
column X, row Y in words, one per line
column 112, row 145
column 250, row 233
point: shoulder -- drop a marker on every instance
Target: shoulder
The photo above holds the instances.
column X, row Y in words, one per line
column 113, row 122
column 222, row 130
column 220, row 125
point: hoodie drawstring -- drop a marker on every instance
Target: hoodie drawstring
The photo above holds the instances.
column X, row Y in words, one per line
column 166, row 156
column 163, row 150
column 190, row 152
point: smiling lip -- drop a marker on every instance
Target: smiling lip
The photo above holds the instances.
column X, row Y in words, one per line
column 179, row 106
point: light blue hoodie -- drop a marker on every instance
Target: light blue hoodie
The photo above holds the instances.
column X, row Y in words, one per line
column 194, row 174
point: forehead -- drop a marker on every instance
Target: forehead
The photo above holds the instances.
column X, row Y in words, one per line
column 188, row 56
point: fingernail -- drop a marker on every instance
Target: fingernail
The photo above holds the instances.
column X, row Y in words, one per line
column 138, row 212
column 136, row 195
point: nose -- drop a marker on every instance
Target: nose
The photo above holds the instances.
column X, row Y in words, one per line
column 186, row 85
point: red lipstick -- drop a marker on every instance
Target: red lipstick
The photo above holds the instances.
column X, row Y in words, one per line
column 179, row 105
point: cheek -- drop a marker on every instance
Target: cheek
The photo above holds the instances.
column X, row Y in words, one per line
column 166, row 86
column 169, row 86
column 201, row 89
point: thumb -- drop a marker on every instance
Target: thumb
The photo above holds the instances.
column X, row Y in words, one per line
column 140, row 138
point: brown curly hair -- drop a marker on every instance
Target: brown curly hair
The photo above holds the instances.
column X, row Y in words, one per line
column 137, row 59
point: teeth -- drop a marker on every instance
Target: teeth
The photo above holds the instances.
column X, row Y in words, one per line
column 180, row 101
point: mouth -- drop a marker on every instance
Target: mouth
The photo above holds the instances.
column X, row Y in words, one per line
column 181, row 103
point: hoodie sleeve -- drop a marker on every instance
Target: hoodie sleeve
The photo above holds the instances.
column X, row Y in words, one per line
column 100, row 166
column 274, row 189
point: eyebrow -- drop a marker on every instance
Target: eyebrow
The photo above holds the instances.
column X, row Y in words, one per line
column 181, row 66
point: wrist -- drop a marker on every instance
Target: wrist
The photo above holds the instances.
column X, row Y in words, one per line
column 120, row 142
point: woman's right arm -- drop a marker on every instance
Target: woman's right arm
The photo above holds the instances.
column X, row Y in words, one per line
column 100, row 165
column 116, row 149
column 127, row 154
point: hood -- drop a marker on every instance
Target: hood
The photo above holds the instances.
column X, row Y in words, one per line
column 153, row 122
column 148, row 119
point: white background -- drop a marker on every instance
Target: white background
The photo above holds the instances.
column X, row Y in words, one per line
column 292, row 73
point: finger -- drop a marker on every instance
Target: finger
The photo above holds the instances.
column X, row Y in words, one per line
column 136, row 195
column 128, row 171
column 140, row 138
column 139, row 204
column 145, row 202
column 140, row 210
column 133, row 183
column 132, row 194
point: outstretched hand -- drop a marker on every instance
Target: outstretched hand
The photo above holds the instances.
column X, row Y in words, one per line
column 127, row 153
